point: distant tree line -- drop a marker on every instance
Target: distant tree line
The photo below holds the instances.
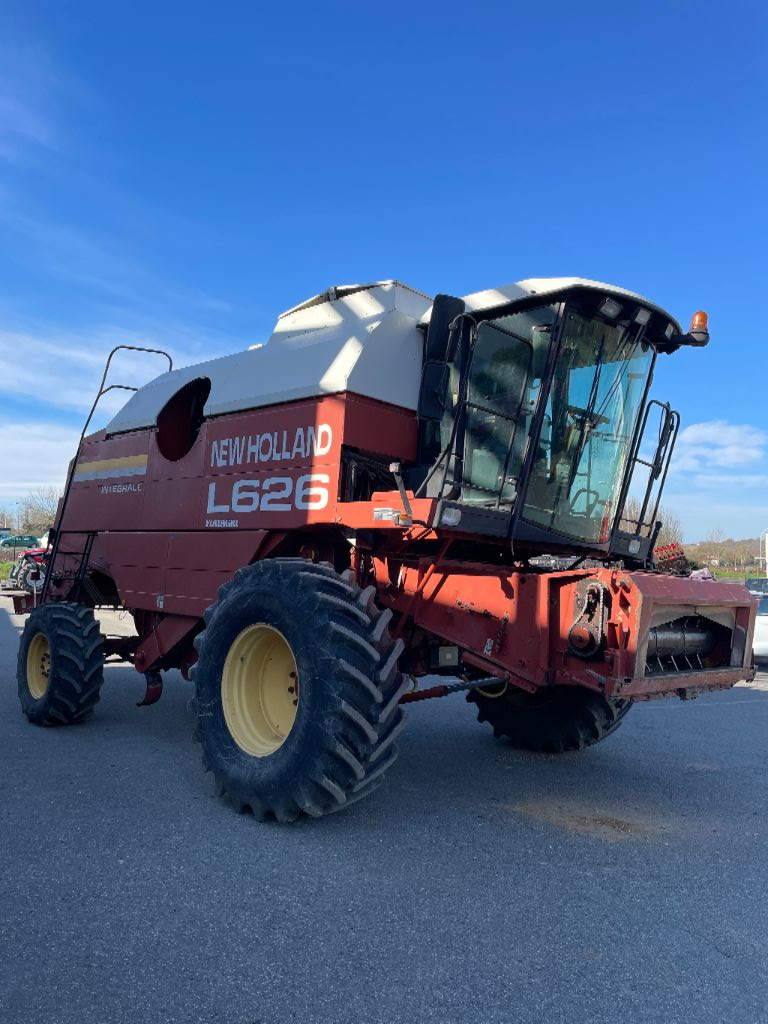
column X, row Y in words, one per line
column 720, row 551
column 671, row 528
column 35, row 512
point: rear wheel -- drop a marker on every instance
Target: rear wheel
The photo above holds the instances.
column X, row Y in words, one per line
column 297, row 690
column 31, row 577
column 551, row 721
column 60, row 668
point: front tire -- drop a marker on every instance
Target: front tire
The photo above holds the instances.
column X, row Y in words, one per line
column 60, row 668
column 552, row 721
column 297, row 690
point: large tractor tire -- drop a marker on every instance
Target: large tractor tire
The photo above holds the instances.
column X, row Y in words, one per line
column 60, row 667
column 552, row 721
column 297, row 690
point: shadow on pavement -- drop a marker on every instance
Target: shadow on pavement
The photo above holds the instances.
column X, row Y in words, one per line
column 671, row 768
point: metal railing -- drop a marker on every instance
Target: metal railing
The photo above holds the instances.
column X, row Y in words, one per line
column 79, row 575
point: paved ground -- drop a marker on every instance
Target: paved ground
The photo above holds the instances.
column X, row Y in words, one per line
column 627, row 883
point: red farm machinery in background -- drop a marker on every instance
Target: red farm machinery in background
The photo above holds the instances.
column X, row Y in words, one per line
column 308, row 528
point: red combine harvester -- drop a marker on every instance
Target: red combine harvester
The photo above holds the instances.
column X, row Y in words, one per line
column 307, row 528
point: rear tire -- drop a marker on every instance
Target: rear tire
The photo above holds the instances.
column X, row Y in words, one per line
column 288, row 630
column 24, row 581
column 552, row 721
column 60, row 668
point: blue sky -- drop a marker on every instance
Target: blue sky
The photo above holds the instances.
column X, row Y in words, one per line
column 177, row 174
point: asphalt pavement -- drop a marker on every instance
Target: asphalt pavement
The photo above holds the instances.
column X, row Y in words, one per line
column 623, row 884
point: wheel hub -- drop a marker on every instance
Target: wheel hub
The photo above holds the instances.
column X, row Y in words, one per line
column 38, row 666
column 260, row 690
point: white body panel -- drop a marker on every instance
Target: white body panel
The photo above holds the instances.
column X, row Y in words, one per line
column 358, row 338
column 365, row 342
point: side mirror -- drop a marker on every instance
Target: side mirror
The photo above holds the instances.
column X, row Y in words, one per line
column 434, row 384
column 445, row 309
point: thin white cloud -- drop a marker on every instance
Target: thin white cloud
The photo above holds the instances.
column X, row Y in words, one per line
column 719, row 445
column 80, row 257
column 61, row 369
column 27, row 86
column 41, row 106
column 718, row 481
column 33, row 455
column 738, row 513
column 66, row 252
column 20, row 126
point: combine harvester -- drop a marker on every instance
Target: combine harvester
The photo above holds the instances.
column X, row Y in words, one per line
column 307, row 528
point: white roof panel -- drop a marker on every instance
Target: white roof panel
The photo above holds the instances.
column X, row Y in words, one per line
column 365, row 341
column 545, row 286
column 359, row 338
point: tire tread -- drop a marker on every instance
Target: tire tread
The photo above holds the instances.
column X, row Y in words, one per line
column 357, row 743
column 77, row 664
column 573, row 720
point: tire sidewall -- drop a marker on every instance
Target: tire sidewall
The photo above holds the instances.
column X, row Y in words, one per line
column 565, row 718
column 76, row 668
column 39, row 622
column 23, row 579
column 33, row 586
column 262, row 601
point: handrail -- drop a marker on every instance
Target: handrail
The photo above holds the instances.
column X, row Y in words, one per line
column 102, row 390
column 658, row 467
column 54, row 550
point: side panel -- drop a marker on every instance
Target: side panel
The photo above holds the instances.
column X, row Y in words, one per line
column 265, row 469
column 174, row 572
column 272, row 468
column 171, row 532
column 108, row 487
column 375, row 427
column 136, row 561
column 198, row 565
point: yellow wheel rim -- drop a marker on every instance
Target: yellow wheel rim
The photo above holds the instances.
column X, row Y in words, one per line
column 260, row 690
column 38, row 665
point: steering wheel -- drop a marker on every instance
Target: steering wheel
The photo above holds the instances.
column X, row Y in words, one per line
column 577, row 413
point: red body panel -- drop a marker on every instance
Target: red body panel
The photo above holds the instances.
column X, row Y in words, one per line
column 167, row 534
column 517, row 624
column 175, row 531
column 261, row 448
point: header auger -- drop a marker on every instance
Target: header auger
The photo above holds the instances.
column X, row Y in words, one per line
column 307, row 528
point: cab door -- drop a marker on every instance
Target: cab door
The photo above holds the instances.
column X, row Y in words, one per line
column 494, row 420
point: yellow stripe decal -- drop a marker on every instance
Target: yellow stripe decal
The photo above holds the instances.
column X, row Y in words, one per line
column 100, row 469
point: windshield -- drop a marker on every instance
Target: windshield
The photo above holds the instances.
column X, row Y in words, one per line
column 590, row 419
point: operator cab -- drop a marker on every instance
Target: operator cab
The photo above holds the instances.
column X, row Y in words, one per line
column 533, row 414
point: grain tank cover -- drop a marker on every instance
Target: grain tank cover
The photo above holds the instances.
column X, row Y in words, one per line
column 358, row 338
